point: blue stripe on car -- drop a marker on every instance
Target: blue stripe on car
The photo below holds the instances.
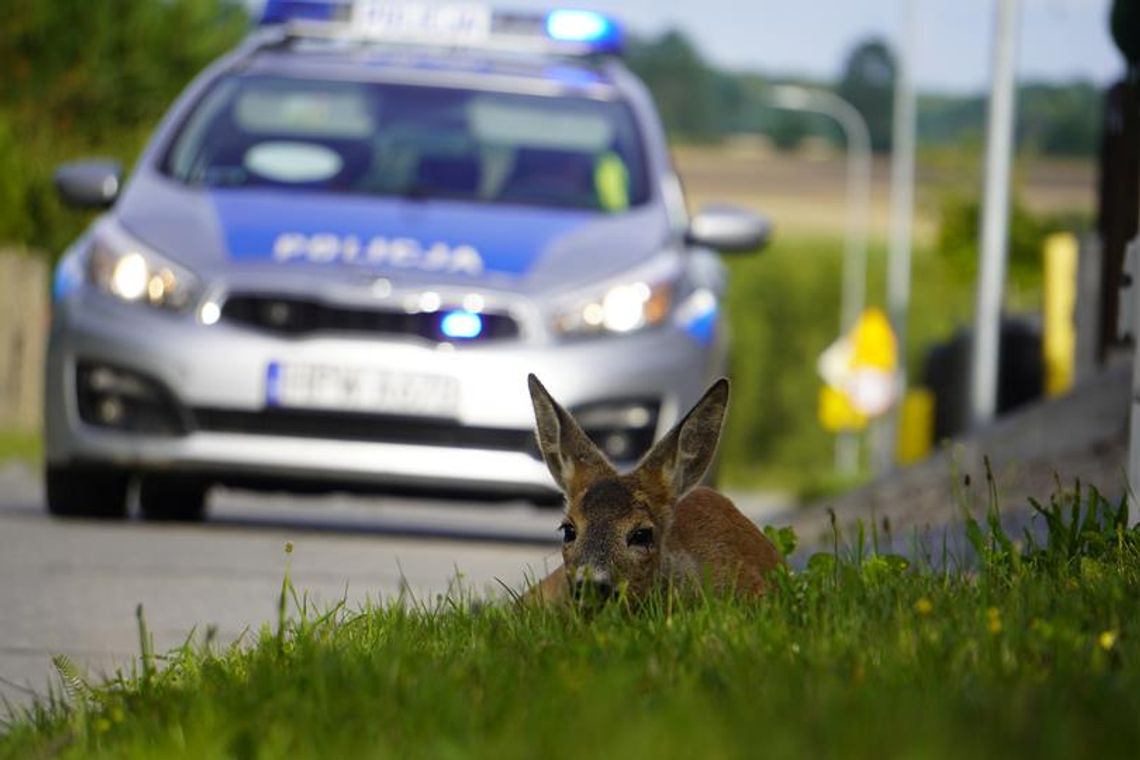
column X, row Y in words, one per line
column 509, row 239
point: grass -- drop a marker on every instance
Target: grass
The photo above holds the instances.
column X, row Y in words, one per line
column 16, row 444
column 1033, row 650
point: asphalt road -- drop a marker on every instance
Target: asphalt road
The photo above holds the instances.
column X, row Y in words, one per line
column 72, row 587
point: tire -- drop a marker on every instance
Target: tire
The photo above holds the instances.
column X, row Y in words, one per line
column 551, row 502
column 99, row 492
column 172, row 498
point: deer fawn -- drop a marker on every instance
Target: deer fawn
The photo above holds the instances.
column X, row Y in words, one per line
column 653, row 526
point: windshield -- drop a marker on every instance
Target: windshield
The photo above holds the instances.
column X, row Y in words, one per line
column 419, row 142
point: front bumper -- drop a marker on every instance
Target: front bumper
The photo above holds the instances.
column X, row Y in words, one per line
column 222, row 368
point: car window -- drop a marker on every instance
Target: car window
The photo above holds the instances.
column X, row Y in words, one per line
column 423, row 142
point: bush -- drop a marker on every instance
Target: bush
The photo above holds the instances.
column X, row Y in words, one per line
column 783, row 306
column 958, row 236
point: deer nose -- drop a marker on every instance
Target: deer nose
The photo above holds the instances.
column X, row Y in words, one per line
column 593, row 584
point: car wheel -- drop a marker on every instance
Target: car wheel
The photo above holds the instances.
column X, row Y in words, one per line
column 86, row 491
column 551, row 501
column 172, row 498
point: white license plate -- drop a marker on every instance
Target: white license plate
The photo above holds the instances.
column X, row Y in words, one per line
column 446, row 23
column 313, row 386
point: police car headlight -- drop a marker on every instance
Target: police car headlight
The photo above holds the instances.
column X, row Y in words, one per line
column 622, row 308
column 122, row 266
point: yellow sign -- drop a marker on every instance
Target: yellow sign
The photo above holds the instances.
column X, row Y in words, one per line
column 874, row 342
column 836, row 413
column 859, row 374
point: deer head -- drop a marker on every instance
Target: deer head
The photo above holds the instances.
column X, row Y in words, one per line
column 616, row 528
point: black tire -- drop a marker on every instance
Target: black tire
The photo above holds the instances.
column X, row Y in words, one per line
column 551, row 501
column 99, row 492
column 172, row 498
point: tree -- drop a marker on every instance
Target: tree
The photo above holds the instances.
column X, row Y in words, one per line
column 683, row 85
column 868, row 83
column 90, row 78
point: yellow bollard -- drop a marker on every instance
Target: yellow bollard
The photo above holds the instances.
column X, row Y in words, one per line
column 916, row 426
column 1060, row 299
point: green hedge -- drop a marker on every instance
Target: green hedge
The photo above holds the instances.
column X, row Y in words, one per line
column 91, row 78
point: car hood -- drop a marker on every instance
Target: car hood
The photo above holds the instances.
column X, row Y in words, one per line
column 410, row 240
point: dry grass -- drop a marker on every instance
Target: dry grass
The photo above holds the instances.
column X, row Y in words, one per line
column 805, row 193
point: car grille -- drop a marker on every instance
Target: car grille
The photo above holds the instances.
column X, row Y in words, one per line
column 288, row 315
column 371, row 428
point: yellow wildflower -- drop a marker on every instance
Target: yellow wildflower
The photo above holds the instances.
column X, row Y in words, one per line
column 1107, row 639
column 923, row 606
column 993, row 620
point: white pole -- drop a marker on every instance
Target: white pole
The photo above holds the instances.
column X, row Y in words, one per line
column 903, row 132
column 995, row 217
column 854, row 289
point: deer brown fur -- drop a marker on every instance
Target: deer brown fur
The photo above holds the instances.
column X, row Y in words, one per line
column 651, row 527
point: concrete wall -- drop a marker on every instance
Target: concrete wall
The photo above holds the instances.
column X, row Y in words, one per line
column 24, row 315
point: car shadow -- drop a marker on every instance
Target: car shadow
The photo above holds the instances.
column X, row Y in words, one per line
column 422, row 520
column 381, row 528
column 513, row 523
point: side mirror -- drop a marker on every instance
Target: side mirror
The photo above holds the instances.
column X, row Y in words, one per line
column 729, row 229
column 93, row 183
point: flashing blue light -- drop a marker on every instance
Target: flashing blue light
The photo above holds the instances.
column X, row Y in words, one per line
column 283, row 11
column 68, row 277
column 702, row 327
column 461, row 325
column 594, row 29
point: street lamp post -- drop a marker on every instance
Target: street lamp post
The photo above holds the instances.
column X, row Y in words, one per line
column 854, row 292
column 904, row 136
column 995, row 217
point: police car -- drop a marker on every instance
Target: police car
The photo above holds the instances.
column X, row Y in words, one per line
column 350, row 240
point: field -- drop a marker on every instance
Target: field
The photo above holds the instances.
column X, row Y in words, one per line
column 805, row 193
column 1028, row 651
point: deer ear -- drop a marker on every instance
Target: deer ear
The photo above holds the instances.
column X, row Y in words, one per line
column 681, row 458
column 573, row 459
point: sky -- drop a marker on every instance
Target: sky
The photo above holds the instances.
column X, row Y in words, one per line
column 1059, row 40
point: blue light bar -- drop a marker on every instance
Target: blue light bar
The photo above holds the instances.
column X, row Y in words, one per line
column 462, row 325
column 459, row 24
column 588, row 26
column 597, row 31
column 284, row 11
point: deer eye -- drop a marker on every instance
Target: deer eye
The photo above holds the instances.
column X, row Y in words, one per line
column 642, row 537
column 569, row 533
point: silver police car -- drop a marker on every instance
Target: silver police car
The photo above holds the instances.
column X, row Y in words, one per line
column 348, row 243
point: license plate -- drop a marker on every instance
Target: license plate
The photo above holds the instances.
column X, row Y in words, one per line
column 312, row 386
column 447, row 23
